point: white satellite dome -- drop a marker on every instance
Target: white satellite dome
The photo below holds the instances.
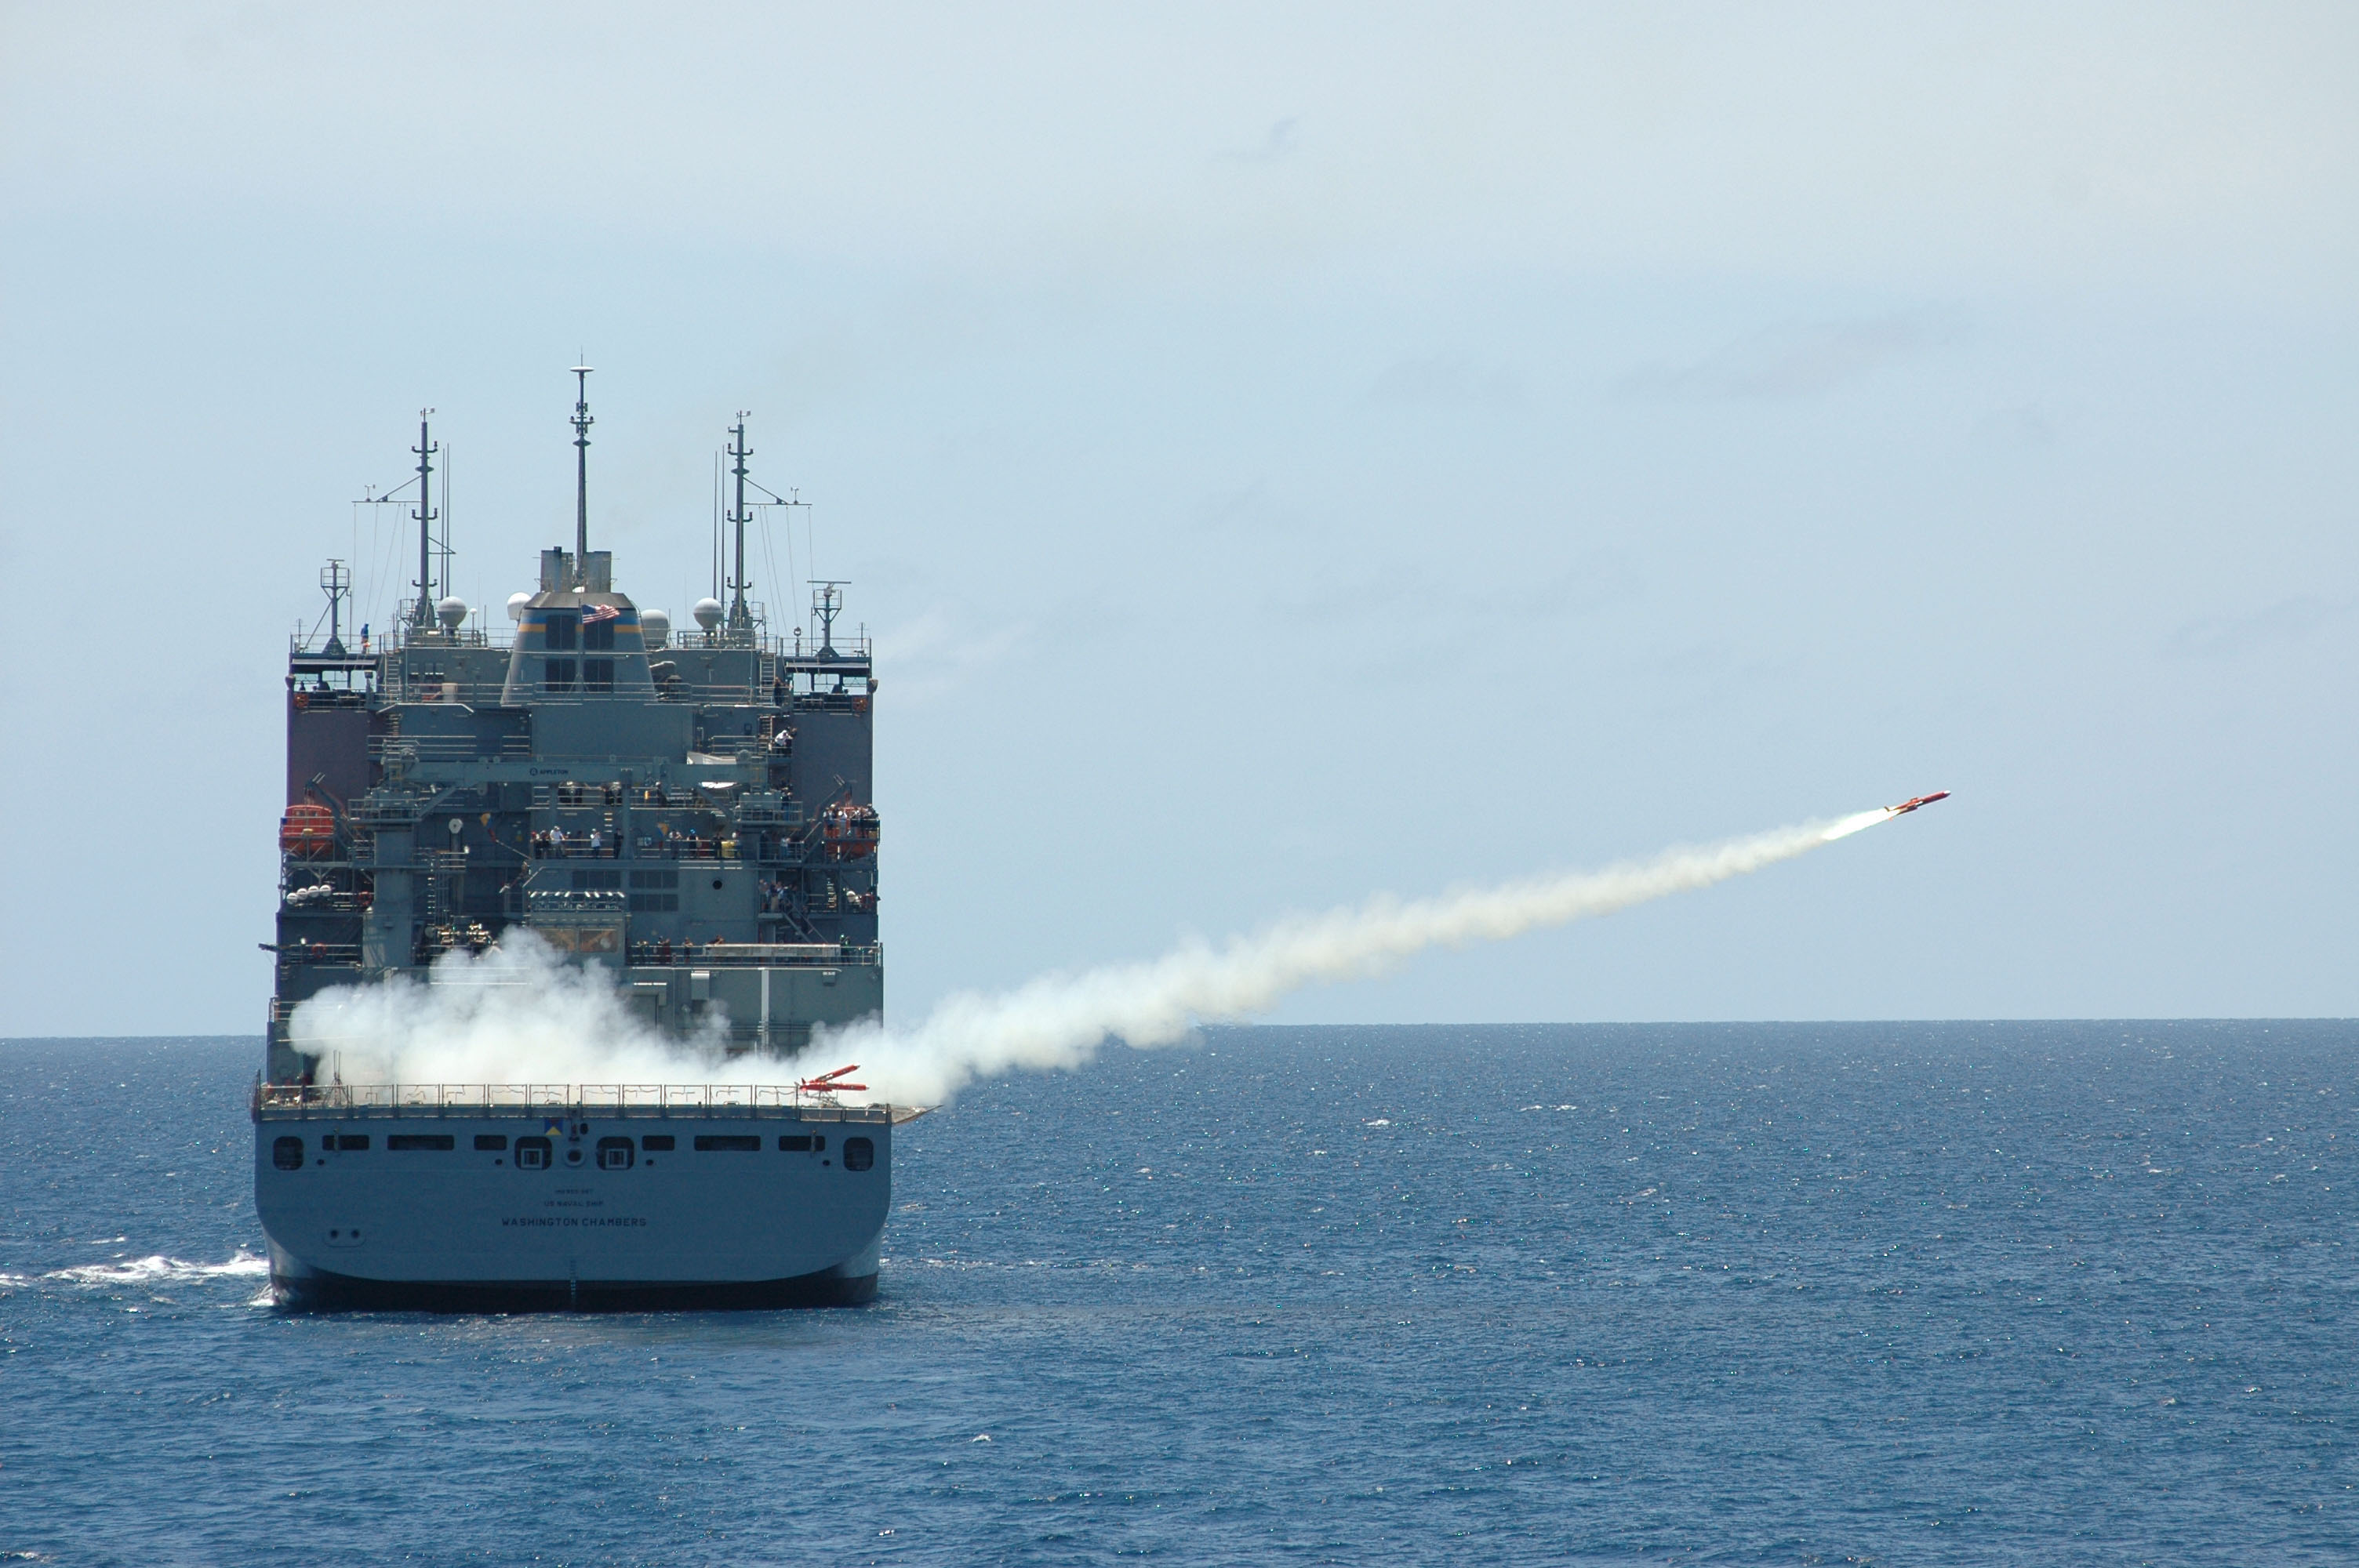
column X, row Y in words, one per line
column 708, row 613
column 517, row 602
column 655, row 626
column 451, row 612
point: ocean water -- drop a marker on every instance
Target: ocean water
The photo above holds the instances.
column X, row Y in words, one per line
column 1899, row 1294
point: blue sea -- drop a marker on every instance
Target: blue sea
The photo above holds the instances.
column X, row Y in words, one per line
column 1783, row 1293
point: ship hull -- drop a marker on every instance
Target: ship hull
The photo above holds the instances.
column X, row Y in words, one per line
column 299, row 1289
column 561, row 1209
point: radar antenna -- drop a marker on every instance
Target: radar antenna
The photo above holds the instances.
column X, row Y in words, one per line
column 421, row 614
column 827, row 604
column 582, row 423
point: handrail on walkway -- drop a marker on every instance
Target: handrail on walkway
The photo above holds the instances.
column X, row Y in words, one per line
column 526, row 1099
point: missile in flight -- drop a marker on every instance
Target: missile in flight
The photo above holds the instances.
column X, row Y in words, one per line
column 1905, row 807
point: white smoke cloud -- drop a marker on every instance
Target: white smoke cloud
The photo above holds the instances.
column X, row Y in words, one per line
column 519, row 1015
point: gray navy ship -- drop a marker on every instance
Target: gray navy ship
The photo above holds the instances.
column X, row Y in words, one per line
column 687, row 812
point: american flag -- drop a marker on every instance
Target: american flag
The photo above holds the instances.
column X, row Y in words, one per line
column 593, row 613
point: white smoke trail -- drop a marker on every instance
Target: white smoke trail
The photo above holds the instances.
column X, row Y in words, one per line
column 1060, row 1021
column 518, row 1015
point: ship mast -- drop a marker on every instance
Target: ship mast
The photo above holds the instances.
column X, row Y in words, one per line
column 582, row 423
column 421, row 614
column 336, row 582
column 741, row 619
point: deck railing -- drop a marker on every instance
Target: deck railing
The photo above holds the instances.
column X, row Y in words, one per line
column 644, row 953
column 800, row 654
column 537, row 1100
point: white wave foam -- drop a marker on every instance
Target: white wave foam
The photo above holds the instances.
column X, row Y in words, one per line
column 157, row 1270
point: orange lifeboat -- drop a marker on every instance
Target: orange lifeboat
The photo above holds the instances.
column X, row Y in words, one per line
column 307, row 831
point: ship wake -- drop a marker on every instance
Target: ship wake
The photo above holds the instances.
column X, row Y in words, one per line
column 155, row 1269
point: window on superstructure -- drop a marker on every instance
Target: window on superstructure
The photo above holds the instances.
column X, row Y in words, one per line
column 558, row 675
column 598, row 674
column 564, row 630
column 727, row 1144
column 656, row 1143
column 286, row 1153
column 859, row 1153
column 488, row 1142
column 598, row 637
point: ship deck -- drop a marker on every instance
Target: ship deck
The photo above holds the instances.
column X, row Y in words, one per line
column 293, row 1102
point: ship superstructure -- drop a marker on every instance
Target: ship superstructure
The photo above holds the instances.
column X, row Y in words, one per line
column 691, row 813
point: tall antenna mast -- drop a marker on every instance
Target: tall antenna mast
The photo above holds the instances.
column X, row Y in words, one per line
column 336, row 581
column 740, row 617
column 582, row 423
column 421, row 614
column 445, row 540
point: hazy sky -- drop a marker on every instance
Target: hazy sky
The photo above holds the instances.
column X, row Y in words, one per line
column 1283, row 453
